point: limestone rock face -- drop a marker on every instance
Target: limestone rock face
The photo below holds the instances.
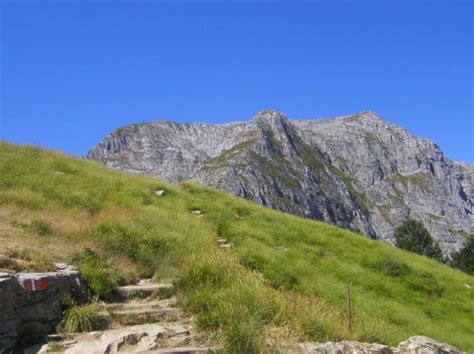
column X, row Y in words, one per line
column 30, row 304
column 359, row 172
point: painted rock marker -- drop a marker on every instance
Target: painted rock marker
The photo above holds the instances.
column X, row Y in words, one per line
column 35, row 284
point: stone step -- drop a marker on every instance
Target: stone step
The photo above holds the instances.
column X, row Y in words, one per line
column 225, row 246
column 142, row 303
column 184, row 350
column 135, row 311
column 156, row 338
column 138, row 316
column 221, row 240
column 161, row 290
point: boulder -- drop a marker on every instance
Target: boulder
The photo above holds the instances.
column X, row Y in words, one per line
column 30, row 306
column 414, row 345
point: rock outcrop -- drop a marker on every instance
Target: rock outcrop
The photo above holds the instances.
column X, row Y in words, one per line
column 414, row 345
column 359, row 172
column 30, row 306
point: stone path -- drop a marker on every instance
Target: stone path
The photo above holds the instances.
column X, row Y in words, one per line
column 145, row 318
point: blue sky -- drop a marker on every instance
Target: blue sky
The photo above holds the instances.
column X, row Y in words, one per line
column 73, row 71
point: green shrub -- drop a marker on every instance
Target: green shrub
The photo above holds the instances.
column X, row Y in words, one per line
column 392, row 268
column 413, row 236
column 80, row 319
column 282, row 279
column 464, row 259
column 425, row 283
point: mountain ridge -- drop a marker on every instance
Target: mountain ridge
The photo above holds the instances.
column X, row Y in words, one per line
column 357, row 171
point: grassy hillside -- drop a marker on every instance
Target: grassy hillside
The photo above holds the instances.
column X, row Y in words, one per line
column 284, row 280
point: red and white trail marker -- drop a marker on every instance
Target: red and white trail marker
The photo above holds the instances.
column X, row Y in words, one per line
column 35, row 284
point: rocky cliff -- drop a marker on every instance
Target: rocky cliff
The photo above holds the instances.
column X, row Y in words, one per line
column 359, row 171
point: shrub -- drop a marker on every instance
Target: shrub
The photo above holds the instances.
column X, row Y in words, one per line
column 413, row 236
column 425, row 283
column 283, row 279
column 392, row 268
column 80, row 319
column 464, row 259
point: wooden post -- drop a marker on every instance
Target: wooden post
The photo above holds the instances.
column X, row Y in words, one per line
column 349, row 307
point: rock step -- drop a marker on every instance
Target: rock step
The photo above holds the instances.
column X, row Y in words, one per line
column 162, row 290
column 141, row 312
column 225, row 246
column 144, row 338
column 126, row 316
column 183, row 350
column 221, row 240
column 146, row 303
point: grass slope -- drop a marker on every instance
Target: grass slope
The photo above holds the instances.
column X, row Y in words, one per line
column 285, row 279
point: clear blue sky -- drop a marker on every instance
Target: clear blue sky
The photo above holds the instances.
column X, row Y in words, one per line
column 73, row 71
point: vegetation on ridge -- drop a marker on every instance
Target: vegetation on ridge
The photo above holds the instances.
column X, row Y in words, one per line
column 413, row 236
column 284, row 279
column 464, row 259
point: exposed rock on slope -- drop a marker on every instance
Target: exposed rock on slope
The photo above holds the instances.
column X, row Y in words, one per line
column 414, row 345
column 359, row 172
column 30, row 305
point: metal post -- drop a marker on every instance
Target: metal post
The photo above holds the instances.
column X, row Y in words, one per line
column 349, row 307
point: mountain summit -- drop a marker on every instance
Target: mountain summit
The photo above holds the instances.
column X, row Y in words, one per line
column 358, row 171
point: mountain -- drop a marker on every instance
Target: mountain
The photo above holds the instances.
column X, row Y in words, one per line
column 359, row 172
column 283, row 279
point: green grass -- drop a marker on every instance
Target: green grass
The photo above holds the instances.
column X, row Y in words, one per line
column 284, row 275
column 77, row 319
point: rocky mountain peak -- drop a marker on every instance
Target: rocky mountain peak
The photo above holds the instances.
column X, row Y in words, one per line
column 358, row 171
column 270, row 118
column 369, row 115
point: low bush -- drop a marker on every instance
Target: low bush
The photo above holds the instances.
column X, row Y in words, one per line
column 425, row 283
column 464, row 259
column 413, row 236
column 392, row 268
